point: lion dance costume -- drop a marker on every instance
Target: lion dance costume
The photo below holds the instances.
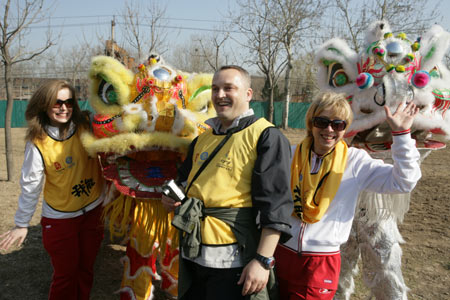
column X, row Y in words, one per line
column 143, row 126
column 390, row 69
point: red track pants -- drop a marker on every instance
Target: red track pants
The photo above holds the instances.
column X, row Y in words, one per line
column 310, row 277
column 73, row 245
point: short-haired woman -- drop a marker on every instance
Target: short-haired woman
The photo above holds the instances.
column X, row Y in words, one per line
column 326, row 179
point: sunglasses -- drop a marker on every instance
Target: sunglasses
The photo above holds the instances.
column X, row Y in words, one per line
column 322, row 123
column 68, row 103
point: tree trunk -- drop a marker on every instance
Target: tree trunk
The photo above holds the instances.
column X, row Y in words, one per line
column 270, row 108
column 287, row 93
column 8, row 116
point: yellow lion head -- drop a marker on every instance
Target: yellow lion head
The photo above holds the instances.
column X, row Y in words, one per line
column 144, row 121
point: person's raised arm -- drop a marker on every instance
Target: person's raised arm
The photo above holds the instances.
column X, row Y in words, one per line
column 403, row 117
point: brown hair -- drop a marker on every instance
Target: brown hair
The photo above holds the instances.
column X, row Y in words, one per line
column 337, row 103
column 45, row 98
column 244, row 73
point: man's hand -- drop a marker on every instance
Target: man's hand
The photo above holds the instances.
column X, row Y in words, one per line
column 403, row 117
column 17, row 234
column 254, row 277
column 168, row 203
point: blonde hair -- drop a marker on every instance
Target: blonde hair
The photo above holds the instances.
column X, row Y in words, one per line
column 335, row 102
column 43, row 99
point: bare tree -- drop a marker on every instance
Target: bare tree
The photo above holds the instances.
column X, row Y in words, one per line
column 212, row 48
column 293, row 19
column 190, row 57
column 262, row 42
column 74, row 64
column 14, row 27
column 303, row 80
column 406, row 15
column 144, row 31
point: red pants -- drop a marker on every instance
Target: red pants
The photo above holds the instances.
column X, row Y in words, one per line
column 73, row 245
column 311, row 277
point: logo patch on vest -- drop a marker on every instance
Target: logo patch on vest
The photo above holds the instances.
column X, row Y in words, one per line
column 225, row 163
column 204, row 155
column 57, row 166
column 69, row 162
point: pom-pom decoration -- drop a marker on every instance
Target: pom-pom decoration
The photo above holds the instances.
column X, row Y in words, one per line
column 400, row 69
column 402, row 35
column 364, row 80
column 379, row 51
column 409, row 57
column 415, row 46
column 390, row 67
column 420, row 79
column 178, row 78
column 388, row 35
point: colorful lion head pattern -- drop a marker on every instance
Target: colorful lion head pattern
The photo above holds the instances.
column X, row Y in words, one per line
column 144, row 123
column 390, row 69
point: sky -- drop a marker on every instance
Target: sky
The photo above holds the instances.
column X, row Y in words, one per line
column 87, row 19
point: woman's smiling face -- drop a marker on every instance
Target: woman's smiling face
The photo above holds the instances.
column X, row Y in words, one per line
column 60, row 115
column 325, row 139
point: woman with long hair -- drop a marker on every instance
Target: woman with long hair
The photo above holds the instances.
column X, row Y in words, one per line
column 72, row 185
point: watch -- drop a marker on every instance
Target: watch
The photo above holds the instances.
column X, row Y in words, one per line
column 267, row 262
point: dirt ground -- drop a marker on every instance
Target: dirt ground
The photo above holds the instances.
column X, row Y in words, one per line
column 25, row 273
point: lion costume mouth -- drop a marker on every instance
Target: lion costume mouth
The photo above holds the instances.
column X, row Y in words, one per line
column 144, row 124
column 141, row 178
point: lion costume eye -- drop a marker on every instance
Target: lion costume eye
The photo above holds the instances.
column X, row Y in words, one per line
column 107, row 93
column 337, row 76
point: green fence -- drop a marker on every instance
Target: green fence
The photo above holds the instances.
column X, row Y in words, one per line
column 297, row 112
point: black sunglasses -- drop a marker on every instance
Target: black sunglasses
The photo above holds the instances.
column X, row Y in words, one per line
column 322, row 123
column 68, row 103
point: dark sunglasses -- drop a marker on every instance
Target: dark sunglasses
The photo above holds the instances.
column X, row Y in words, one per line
column 68, row 103
column 322, row 123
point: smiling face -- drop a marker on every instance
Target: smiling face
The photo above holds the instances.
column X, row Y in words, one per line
column 59, row 116
column 325, row 139
column 231, row 95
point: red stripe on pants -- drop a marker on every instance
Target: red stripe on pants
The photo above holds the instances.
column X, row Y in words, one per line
column 73, row 245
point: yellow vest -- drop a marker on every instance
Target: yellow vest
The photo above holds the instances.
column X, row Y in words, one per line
column 226, row 181
column 73, row 179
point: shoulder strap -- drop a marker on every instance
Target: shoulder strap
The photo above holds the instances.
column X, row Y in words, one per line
column 210, row 157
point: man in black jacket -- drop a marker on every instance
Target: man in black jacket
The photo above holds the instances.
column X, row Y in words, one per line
column 226, row 254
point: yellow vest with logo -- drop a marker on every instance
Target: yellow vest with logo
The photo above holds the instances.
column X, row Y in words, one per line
column 226, row 181
column 73, row 179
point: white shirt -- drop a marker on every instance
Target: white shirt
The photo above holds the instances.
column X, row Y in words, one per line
column 361, row 173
